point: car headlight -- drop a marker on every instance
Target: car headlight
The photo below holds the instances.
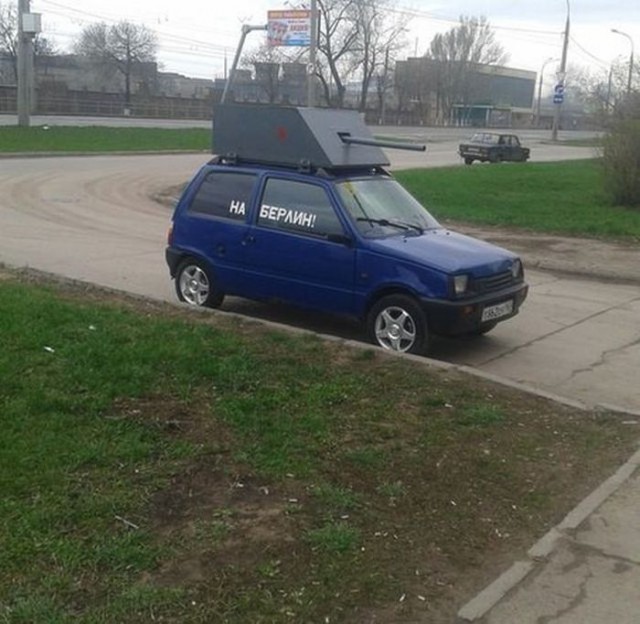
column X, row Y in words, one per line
column 460, row 284
column 516, row 269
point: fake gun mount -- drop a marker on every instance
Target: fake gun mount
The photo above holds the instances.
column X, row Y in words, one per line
column 346, row 138
column 292, row 136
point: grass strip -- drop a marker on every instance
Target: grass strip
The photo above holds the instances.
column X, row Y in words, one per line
column 560, row 197
column 102, row 139
column 157, row 465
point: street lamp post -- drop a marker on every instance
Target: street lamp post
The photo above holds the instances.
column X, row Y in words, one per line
column 630, row 79
column 313, row 53
column 538, row 106
column 562, row 74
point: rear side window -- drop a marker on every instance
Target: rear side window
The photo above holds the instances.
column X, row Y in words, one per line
column 224, row 194
column 298, row 207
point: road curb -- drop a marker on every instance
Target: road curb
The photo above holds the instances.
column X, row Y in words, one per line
column 478, row 607
column 418, row 359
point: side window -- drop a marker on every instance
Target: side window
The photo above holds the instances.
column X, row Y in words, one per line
column 298, row 207
column 224, row 194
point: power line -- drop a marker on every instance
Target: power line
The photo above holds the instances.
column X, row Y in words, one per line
column 449, row 20
column 602, row 63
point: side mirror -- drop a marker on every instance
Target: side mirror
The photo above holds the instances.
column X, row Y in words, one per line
column 341, row 239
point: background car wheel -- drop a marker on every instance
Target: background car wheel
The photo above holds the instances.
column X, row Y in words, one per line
column 468, row 161
column 494, row 158
column 397, row 323
column 195, row 284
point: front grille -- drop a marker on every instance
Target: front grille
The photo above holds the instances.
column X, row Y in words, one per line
column 494, row 283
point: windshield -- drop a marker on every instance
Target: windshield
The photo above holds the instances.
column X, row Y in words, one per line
column 484, row 137
column 382, row 207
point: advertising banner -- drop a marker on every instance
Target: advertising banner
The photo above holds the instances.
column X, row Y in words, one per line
column 289, row 28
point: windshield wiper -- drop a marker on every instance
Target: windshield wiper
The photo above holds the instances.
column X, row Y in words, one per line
column 395, row 224
column 410, row 226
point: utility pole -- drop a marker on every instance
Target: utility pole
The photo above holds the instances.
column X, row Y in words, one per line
column 539, row 102
column 562, row 75
column 28, row 28
column 630, row 78
column 313, row 54
column 383, row 106
column 24, row 82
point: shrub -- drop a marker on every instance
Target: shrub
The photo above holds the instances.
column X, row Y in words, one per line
column 621, row 159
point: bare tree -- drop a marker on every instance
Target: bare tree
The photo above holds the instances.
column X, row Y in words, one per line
column 600, row 93
column 355, row 37
column 124, row 48
column 9, row 38
column 457, row 53
column 380, row 38
column 339, row 39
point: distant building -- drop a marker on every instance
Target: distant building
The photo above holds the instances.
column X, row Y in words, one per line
column 272, row 83
column 177, row 85
column 488, row 95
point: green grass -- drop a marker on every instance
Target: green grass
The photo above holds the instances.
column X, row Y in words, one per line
column 561, row 197
column 102, row 139
column 161, row 465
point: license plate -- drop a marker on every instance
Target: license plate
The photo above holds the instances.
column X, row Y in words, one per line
column 497, row 311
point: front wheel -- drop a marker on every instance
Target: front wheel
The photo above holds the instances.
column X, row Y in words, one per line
column 195, row 284
column 397, row 323
column 468, row 161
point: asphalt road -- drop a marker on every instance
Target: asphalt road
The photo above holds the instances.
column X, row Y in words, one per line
column 93, row 219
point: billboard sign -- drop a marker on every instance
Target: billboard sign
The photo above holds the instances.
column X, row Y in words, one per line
column 289, row 28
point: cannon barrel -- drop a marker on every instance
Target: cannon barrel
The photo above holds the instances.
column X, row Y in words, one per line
column 351, row 140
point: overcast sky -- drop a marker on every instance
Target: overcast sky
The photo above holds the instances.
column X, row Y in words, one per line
column 196, row 35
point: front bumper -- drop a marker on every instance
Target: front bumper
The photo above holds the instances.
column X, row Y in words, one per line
column 450, row 318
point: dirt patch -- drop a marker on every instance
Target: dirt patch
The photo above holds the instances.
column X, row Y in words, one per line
column 433, row 527
column 591, row 257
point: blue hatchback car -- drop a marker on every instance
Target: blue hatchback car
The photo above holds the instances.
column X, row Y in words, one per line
column 299, row 208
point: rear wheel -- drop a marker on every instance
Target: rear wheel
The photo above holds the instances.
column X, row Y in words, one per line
column 195, row 284
column 397, row 323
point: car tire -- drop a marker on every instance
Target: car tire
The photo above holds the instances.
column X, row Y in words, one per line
column 398, row 323
column 468, row 161
column 195, row 284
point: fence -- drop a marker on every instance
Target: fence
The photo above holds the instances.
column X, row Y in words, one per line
column 91, row 103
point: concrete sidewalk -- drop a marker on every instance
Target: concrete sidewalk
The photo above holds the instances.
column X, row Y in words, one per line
column 584, row 571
